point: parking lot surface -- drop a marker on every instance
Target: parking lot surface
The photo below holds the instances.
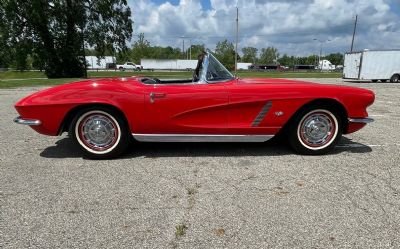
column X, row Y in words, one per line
column 203, row 195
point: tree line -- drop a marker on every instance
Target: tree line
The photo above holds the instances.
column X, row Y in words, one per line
column 224, row 51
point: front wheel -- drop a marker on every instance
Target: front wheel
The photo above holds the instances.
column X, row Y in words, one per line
column 315, row 131
column 100, row 132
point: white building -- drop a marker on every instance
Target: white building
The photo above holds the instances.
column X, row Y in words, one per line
column 99, row 63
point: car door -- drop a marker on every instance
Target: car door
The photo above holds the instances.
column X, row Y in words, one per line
column 189, row 108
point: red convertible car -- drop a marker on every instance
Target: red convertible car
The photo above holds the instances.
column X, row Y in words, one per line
column 103, row 115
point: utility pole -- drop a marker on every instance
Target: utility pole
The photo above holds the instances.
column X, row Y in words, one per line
column 183, row 46
column 320, row 50
column 320, row 56
column 190, row 49
column 237, row 38
column 354, row 34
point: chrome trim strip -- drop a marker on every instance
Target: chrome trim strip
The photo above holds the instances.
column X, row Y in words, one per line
column 200, row 138
column 22, row 121
column 262, row 114
column 361, row 120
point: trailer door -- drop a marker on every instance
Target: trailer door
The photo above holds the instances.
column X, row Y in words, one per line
column 352, row 64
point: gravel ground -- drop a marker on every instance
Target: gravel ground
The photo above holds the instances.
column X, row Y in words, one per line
column 203, row 195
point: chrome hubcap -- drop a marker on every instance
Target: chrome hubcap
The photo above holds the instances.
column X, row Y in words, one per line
column 98, row 131
column 317, row 129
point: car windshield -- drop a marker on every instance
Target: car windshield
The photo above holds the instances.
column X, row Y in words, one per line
column 213, row 70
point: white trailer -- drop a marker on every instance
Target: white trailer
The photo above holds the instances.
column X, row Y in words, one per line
column 100, row 63
column 168, row 64
column 372, row 65
column 243, row 65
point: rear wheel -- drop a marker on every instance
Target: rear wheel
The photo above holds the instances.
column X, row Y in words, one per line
column 100, row 132
column 374, row 81
column 315, row 131
column 395, row 78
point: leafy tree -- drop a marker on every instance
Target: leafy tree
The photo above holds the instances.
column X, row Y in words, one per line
column 21, row 54
column 335, row 59
column 225, row 53
column 165, row 53
column 140, row 49
column 308, row 60
column 269, row 55
column 196, row 50
column 285, row 60
column 37, row 61
column 59, row 30
column 249, row 54
column 6, row 52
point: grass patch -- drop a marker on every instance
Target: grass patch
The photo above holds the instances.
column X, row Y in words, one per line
column 180, row 230
column 33, row 82
column 12, row 79
column 21, row 75
column 242, row 74
column 287, row 74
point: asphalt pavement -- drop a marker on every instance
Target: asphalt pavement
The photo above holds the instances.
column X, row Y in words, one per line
column 218, row 195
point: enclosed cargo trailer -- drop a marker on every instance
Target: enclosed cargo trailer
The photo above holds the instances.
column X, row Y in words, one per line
column 372, row 65
column 168, row 64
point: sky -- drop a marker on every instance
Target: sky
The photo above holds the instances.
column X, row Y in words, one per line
column 295, row 27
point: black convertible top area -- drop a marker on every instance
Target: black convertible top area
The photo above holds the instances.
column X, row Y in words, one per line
column 151, row 81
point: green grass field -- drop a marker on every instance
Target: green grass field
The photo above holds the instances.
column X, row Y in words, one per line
column 12, row 79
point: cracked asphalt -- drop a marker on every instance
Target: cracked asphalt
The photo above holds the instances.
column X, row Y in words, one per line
column 203, row 195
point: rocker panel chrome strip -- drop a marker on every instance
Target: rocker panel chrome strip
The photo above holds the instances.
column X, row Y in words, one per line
column 200, row 138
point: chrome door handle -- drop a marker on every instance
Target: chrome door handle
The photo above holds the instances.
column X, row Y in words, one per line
column 156, row 96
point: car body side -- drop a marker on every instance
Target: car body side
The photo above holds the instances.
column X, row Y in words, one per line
column 245, row 100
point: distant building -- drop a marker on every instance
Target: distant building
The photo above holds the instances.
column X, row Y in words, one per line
column 107, row 62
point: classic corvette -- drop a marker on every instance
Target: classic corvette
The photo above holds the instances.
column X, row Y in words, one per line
column 104, row 115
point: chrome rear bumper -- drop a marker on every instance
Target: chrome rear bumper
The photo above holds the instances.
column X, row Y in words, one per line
column 361, row 120
column 23, row 121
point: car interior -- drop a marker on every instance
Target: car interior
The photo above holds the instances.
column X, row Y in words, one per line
column 196, row 75
column 213, row 71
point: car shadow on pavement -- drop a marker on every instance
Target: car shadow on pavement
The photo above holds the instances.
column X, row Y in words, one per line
column 65, row 148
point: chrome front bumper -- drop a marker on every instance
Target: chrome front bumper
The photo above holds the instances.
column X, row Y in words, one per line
column 23, row 121
column 361, row 120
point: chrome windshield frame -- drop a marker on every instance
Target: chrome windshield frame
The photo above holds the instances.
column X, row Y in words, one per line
column 204, row 70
